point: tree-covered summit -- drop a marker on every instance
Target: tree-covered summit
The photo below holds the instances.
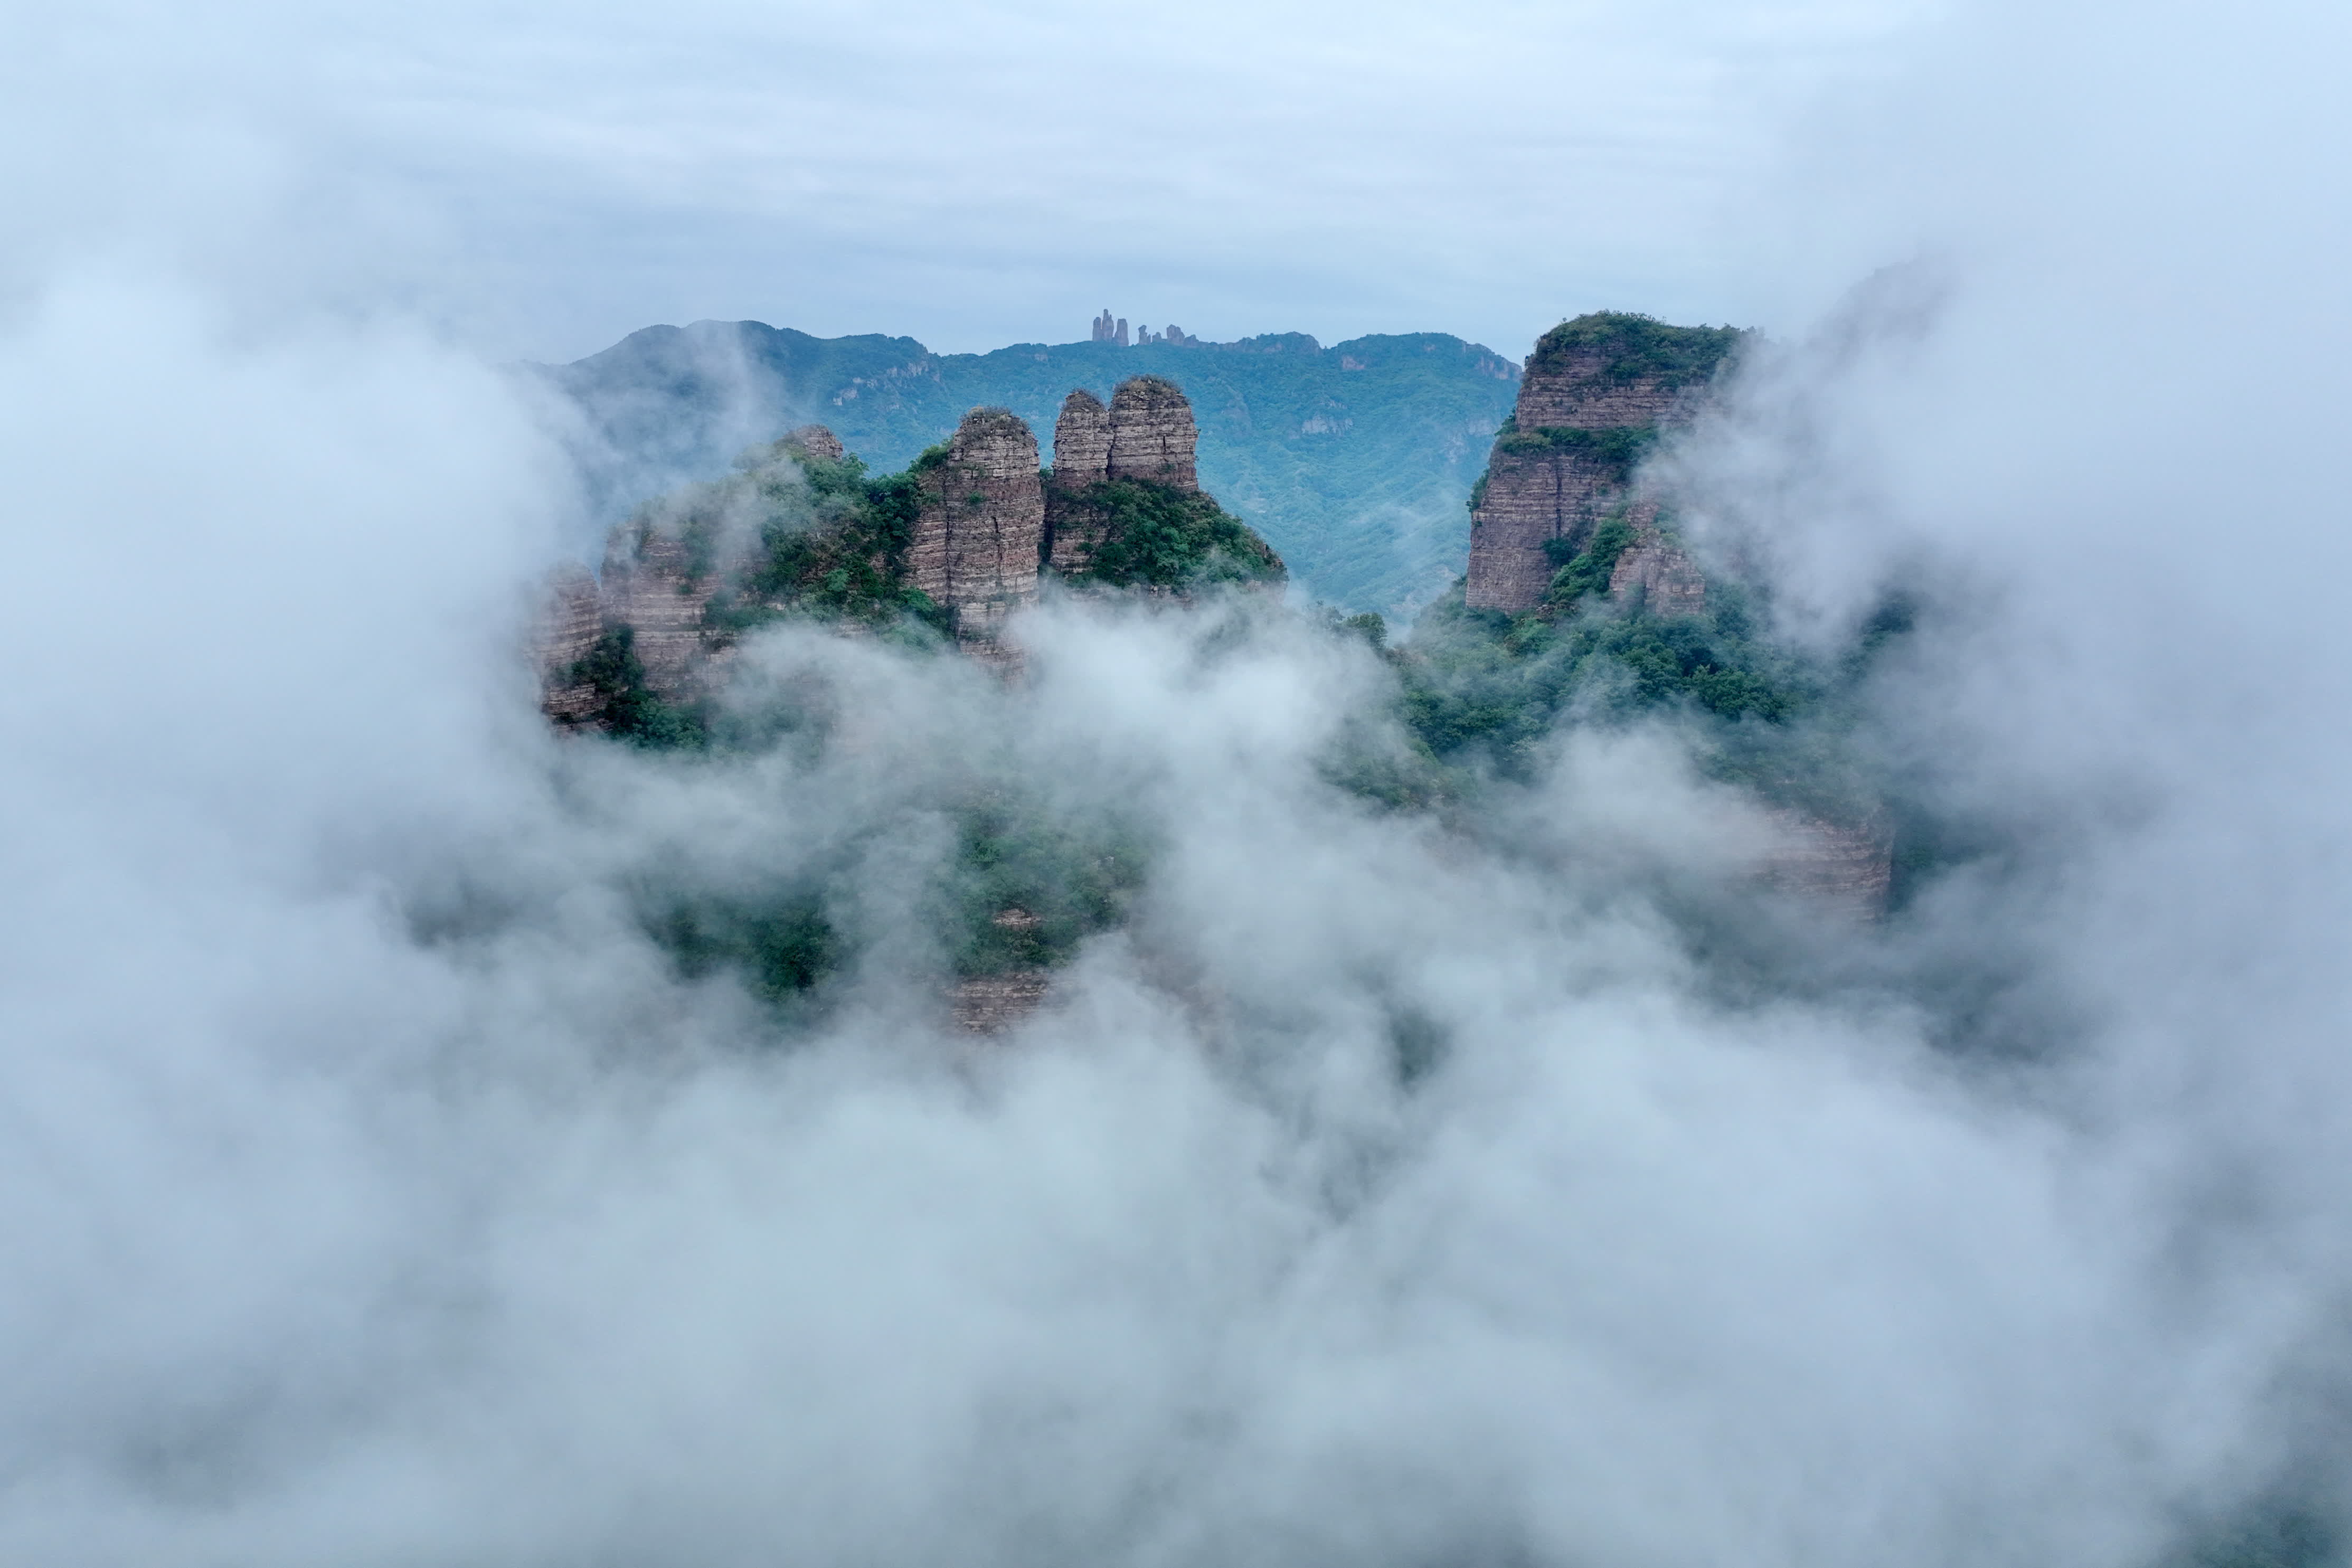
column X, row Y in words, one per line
column 1632, row 347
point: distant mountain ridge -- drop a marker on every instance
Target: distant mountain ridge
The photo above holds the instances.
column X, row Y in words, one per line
column 1355, row 461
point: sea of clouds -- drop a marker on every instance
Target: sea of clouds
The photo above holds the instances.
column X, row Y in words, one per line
column 373, row 1189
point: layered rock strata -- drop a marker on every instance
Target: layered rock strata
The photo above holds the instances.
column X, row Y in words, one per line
column 994, row 1004
column 1081, row 461
column 1152, row 435
column 1658, row 575
column 1532, row 496
column 570, row 619
column 652, row 584
column 1844, row 868
column 977, row 538
column 816, row 441
column 1082, row 442
column 1594, row 390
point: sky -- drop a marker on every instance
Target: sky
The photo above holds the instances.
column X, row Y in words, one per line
column 373, row 1190
column 544, row 179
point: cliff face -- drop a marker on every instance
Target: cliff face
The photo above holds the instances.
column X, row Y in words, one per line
column 653, row 586
column 1369, row 504
column 1533, row 495
column 650, row 585
column 1081, row 461
column 1595, row 392
column 816, row 441
column 1658, row 575
column 570, row 622
column 968, row 526
column 1152, row 435
column 978, row 537
column 1845, row 866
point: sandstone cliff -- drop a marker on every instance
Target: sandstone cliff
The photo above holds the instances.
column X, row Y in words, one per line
column 1596, row 392
column 959, row 540
column 815, row 441
column 979, row 535
column 1845, row 867
column 653, row 584
column 1081, row 461
column 1658, row 575
column 571, row 620
column 1125, row 508
column 658, row 580
column 1152, row 435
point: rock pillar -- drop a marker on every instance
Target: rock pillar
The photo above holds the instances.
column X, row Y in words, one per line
column 983, row 517
column 1152, row 435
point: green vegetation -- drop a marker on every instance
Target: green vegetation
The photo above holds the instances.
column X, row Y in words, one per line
column 833, row 540
column 624, row 708
column 1028, row 885
column 1151, row 535
column 1635, row 347
column 1616, row 451
column 1586, row 572
column 1482, row 692
column 1479, row 679
column 781, row 947
column 1021, row 887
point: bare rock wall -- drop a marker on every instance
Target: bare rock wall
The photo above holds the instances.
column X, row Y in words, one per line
column 1845, row 867
column 1530, row 499
column 983, row 515
column 652, row 586
column 1659, row 575
column 1152, row 435
column 570, row 619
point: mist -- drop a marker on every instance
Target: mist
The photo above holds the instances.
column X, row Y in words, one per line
column 1510, row 1185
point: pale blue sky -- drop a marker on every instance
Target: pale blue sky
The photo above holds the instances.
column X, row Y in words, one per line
column 545, row 178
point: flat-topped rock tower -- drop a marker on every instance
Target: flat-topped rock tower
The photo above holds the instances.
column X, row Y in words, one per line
column 979, row 536
column 1596, row 392
column 1152, row 435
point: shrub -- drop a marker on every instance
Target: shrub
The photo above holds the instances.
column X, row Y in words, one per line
column 1151, row 535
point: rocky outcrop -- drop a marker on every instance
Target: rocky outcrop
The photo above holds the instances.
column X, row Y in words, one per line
column 1152, row 435
column 1658, row 575
column 977, row 539
column 1082, row 442
column 994, row 1004
column 981, row 531
column 1124, row 507
column 1845, row 867
column 1081, row 461
column 1596, row 390
column 653, row 583
column 815, row 441
column 1104, row 327
column 1533, row 494
column 570, row 619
